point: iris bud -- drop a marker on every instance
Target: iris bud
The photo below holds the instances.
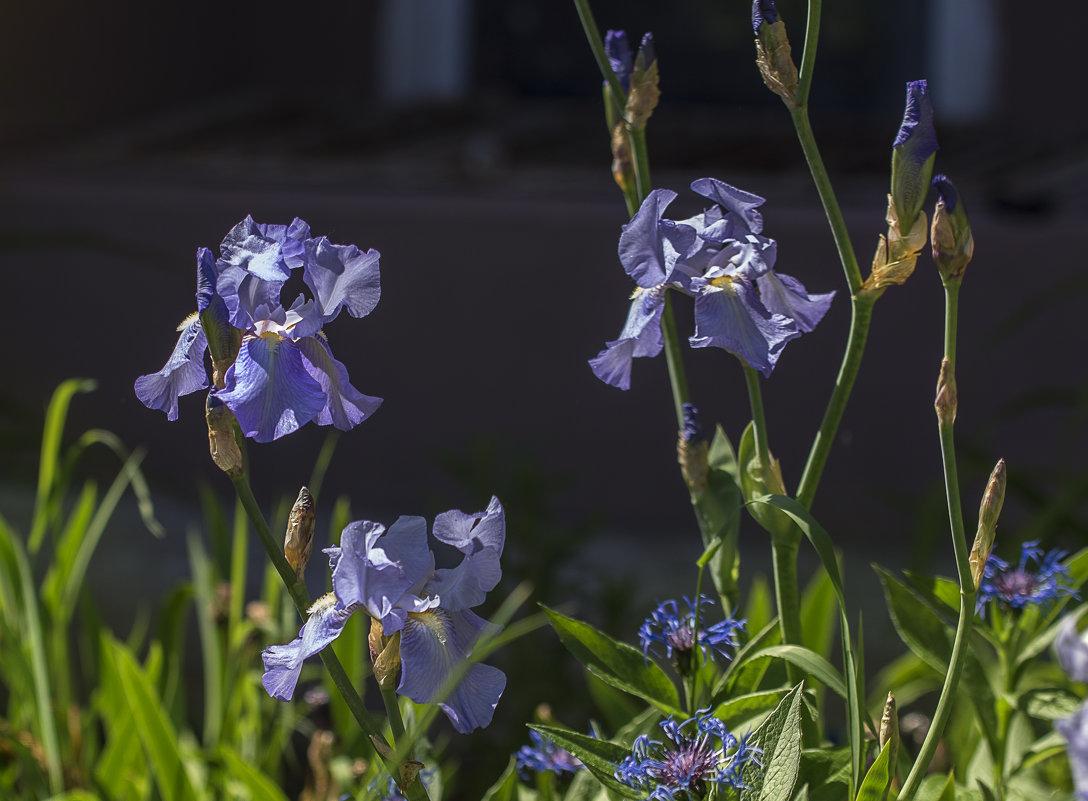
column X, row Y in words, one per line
column 913, row 154
column 988, row 512
column 947, row 401
column 692, row 452
column 643, row 95
column 224, row 447
column 298, row 542
column 773, row 55
column 953, row 245
column 384, row 655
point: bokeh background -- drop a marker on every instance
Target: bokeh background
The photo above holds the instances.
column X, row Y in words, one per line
column 464, row 139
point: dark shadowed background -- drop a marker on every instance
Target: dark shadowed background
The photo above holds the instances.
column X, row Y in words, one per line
column 465, row 141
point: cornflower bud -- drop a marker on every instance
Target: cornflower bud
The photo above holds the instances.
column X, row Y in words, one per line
column 384, row 655
column 224, row 447
column 988, row 512
column 298, row 542
column 953, row 245
column 947, row 400
column 913, row 153
column 773, row 54
column 691, row 451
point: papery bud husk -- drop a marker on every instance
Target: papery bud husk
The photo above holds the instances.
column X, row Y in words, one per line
column 889, row 732
column 775, row 60
column 988, row 512
column 623, row 165
column 694, row 464
column 384, row 655
column 896, row 253
column 221, row 439
column 947, row 401
column 953, row 244
column 298, row 542
column 644, row 94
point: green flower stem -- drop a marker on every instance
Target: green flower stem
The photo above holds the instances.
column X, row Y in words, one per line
column 963, row 568
column 297, row 590
column 808, row 58
column 759, row 419
column 674, row 359
column 596, row 44
column 396, row 723
column 860, row 318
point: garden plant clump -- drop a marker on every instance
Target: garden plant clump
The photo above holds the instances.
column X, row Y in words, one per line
column 714, row 696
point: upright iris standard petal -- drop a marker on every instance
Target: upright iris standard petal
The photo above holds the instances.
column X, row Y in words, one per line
column 736, row 201
column 641, row 337
column 913, row 153
column 787, row 296
column 729, row 315
column 431, row 644
column 269, row 389
column 184, row 372
column 650, row 245
column 345, row 407
column 342, row 277
column 375, row 568
column 620, row 57
column 283, row 663
column 268, row 252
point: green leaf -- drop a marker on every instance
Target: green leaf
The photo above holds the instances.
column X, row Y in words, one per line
column 615, row 659
column 754, row 484
column 156, row 733
column 740, row 676
column 717, row 511
column 620, row 684
column 879, row 778
column 1048, row 703
column 260, row 786
column 599, row 756
column 927, row 635
column 937, row 788
column 741, row 708
column 812, row 663
column 826, row 772
column 506, row 787
column 818, row 619
column 780, row 739
column 821, row 541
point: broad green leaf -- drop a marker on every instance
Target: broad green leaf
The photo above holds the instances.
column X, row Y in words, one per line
column 879, row 778
column 780, row 739
column 740, row 676
column 260, row 786
column 1049, row 703
column 826, row 772
column 619, row 660
column 620, row 684
column 928, row 636
column 585, row 787
column 741, row 708
column 599, row 756
column 759, row 608
column 156, row 732
column 810, row 662
column 818, row 618
column 937, row 788
column 617, row 706
column 821, row 541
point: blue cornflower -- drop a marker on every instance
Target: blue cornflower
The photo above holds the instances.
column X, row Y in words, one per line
column 699, row 752
column 676, row 630
column 1039, row 580
column 283, row 374
column 391, row 576
column 544, row 755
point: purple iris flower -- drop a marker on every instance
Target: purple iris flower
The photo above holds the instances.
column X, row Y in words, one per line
column 650, row 248
column 1038, row 580
column 1073, row 655
column 698, row 753
column 620, row 57
column 390, row 575
column 741, row 304
column 284, row 375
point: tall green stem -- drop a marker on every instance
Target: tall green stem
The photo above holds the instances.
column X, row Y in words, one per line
column 297, row 590
column 963, row 566
column 808, row 58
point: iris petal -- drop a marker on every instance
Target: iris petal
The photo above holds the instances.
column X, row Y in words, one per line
column 732, row 318
column 641, row 337
column 269, row 389
column 342, row 277
column 184, row 372
column 265, row 251
column 741, row 203
column 785, row 295
column 649, row 245
column 345, row 406
column 431, row 644
column 283, row 663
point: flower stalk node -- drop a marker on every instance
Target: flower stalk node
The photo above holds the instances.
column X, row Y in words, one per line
column 947, row 401
column 222, row 443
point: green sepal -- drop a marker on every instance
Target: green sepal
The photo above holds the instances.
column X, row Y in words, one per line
column 616, row 663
